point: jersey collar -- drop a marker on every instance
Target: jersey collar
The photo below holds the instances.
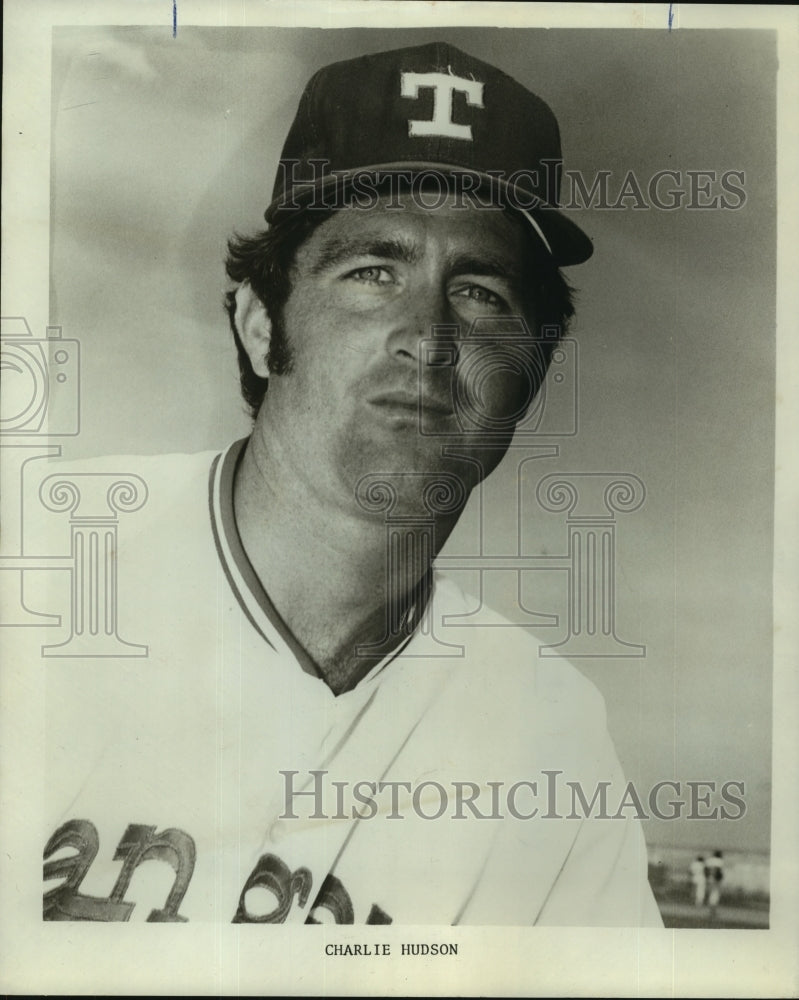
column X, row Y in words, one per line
column 250, row 593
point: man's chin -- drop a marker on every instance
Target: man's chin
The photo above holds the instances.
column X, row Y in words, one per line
column 401, row 473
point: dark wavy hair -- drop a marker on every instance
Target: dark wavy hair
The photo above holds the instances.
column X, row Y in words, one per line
column 265, row 260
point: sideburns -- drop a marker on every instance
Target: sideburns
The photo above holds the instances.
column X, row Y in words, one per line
column 279, row 357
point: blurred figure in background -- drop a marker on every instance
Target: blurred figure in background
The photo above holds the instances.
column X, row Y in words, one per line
column 698, row 880
column 714, row 873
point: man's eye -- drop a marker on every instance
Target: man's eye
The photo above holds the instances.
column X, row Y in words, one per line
column 481, row 296
column 373, row 274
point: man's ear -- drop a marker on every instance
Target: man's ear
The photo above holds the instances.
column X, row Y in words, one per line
column 254, row 327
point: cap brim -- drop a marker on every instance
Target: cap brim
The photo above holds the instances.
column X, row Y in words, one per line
column 565, row 241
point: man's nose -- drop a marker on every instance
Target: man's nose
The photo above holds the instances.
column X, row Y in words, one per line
column 420, row 313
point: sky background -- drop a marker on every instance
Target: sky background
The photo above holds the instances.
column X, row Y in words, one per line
column 162, row 147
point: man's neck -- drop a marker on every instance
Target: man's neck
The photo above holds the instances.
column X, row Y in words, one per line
column 326, row 567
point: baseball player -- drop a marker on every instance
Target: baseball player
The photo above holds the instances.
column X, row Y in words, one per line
column 319, row 732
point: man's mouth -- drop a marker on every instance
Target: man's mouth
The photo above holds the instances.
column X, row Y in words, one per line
column 410, row 403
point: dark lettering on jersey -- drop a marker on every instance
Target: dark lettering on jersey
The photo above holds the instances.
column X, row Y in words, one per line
column 65, row 902
column 335, row 898
column 176, row 848
column 139, row 843
column 273, row 874
column 378, row 916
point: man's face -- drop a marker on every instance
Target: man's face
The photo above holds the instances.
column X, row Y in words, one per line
column 368, row 287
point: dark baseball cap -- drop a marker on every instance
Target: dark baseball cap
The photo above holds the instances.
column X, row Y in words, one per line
column 430, row 110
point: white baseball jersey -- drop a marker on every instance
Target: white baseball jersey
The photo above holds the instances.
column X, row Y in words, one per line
column 219, row 779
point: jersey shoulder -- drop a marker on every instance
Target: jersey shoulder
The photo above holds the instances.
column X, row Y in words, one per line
column 503, row 694
column 508, row 657
column 132, row 489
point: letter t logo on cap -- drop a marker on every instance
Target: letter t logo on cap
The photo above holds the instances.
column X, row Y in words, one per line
column 443, row 85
